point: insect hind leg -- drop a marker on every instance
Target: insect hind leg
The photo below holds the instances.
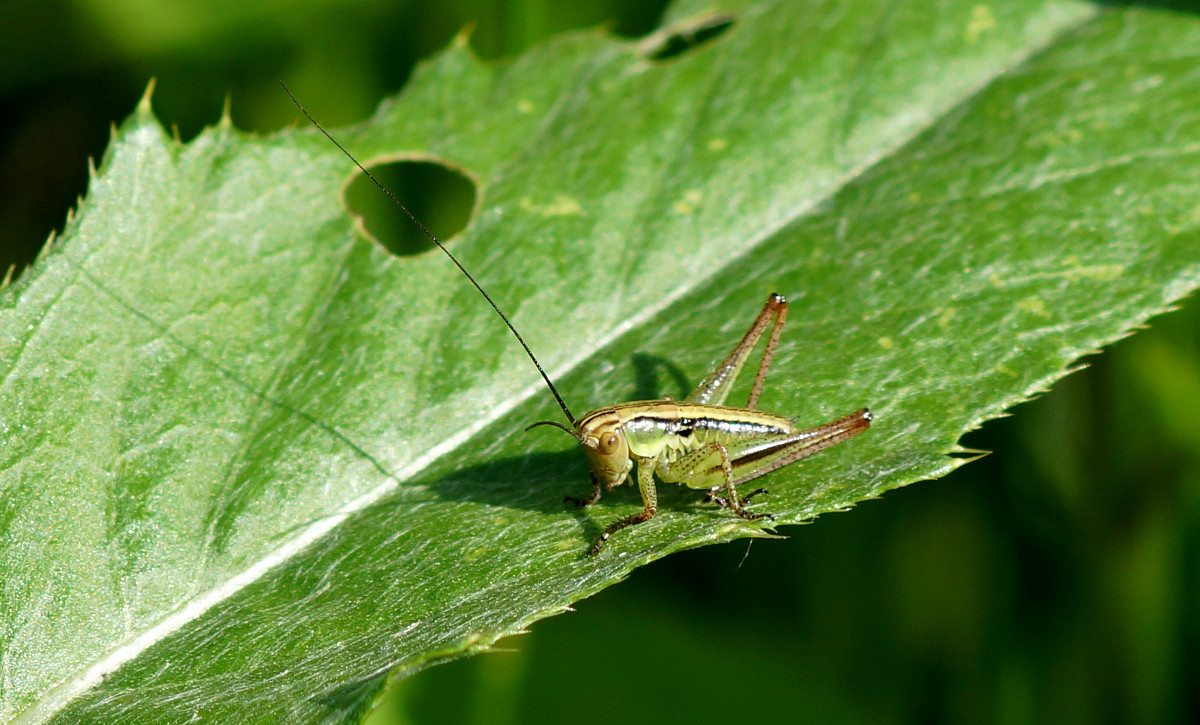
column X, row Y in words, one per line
column 715, row 388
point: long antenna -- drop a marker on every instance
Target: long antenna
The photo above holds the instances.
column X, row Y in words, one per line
column 561, row 403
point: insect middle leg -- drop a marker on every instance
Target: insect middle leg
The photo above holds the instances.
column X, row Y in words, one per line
column 714, row 496
column 711, row 463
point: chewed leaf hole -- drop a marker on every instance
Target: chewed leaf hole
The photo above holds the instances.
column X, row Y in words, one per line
column 675, row 40
column 440, row 197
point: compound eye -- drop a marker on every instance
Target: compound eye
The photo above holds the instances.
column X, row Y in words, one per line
column 608, row 444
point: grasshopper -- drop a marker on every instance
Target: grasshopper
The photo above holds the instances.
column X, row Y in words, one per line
column 699, row 442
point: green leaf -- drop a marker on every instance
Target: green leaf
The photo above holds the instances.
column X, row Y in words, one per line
column 252, row 464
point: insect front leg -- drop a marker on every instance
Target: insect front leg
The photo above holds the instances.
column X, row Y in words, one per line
column 592, row 498
column 645, row 474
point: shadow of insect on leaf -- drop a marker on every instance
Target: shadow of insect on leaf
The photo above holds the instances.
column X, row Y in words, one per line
column 675, row 40
column 646, row 369
column 541, row 482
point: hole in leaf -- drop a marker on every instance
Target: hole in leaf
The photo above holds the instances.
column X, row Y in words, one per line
column 673, row 41
column 440, row 197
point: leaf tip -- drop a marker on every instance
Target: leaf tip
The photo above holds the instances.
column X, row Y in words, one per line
column 462, row 38
column 143, row 106
column 226, row 121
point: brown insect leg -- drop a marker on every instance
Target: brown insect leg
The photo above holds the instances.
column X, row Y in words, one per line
column 713, row 497
column 735, row 504
column 591, row 498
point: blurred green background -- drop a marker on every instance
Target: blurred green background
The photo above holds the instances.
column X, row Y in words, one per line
column 1053, row 581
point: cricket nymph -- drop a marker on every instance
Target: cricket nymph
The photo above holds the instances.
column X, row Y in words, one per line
column 699, row 442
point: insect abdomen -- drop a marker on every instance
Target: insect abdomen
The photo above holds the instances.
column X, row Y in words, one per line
column 683, row 428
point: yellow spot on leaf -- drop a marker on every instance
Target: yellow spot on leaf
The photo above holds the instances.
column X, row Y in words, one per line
column 947, row 317
column 1061, row 137
column 1005, row 370
column 562, row 205
column 1034, row 306
column 524, row 106
column 718, row 144
column 982, row 20
column 691, row 199
column 886, row 343
column 1099, row 272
